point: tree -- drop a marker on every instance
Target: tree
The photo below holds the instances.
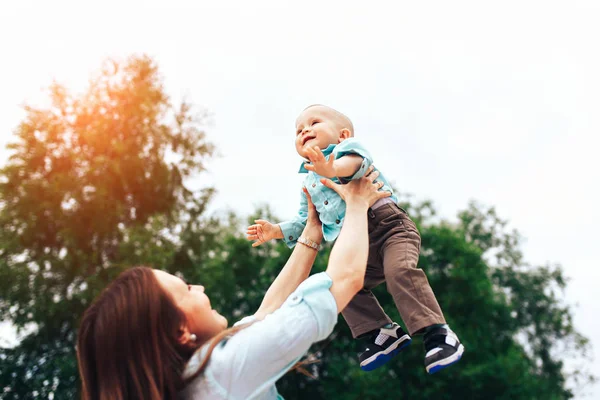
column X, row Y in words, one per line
column 87, row 191
column 510, row 316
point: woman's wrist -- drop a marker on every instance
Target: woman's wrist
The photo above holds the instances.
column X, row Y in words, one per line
column 358, row 205
column 313, row 233
column 309, row 243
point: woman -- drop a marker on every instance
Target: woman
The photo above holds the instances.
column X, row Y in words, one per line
column 150, row 335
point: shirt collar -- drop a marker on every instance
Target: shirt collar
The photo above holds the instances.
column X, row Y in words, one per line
column 326, row 151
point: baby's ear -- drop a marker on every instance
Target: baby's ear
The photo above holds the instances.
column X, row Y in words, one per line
column 344, row 134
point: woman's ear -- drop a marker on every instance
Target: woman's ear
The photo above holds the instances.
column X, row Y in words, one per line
column 184, row 336
column 344, row 134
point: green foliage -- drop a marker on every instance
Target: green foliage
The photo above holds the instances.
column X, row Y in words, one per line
column 509, row 315
column 88, row 192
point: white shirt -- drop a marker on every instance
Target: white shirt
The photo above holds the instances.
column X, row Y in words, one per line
column 247, row 365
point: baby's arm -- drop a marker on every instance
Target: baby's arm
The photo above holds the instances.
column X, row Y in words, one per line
column 350, row 160
column 263, row 231
column 293, row 228
column 346, row 165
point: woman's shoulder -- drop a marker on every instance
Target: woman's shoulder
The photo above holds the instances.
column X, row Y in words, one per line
column 199, row 356
column 251, row 361
column 221, row 378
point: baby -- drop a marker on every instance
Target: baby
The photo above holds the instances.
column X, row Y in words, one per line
column 325, row 138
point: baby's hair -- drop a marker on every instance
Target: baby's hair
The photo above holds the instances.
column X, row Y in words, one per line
column 343, row 120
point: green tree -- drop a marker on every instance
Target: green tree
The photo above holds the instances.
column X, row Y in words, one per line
column 88, row 190
column 510, row 316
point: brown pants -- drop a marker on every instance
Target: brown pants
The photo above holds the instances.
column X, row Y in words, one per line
column 394, row 245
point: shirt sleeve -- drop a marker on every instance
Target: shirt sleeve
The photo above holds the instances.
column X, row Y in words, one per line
column 256, row 357
column 293, row 228
column 352, row 146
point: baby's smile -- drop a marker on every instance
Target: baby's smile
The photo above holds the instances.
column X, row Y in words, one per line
column 306, row 139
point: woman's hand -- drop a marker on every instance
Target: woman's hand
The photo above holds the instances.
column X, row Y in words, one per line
column 312, row 230
column 363, row 192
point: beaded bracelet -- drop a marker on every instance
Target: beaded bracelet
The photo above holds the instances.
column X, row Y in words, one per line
column 309, row 243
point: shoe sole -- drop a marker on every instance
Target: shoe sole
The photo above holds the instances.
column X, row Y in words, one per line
column 381, row 358
column 446, row 362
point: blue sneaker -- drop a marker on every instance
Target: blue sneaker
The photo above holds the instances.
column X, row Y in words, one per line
column 383, row 346
column 443, row 349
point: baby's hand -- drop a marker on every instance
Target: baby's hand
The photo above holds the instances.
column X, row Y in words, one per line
column 319, row 164
column 263, row 231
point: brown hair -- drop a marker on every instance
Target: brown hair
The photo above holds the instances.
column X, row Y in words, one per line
column 128, row 343
column 128, row 347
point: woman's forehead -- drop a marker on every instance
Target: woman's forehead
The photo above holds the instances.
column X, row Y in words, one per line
column 167, row 280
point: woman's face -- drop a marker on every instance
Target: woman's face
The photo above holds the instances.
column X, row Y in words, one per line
column 202, row 320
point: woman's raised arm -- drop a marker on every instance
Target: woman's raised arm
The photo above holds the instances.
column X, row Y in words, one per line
column 348, row 259
column 298, row 266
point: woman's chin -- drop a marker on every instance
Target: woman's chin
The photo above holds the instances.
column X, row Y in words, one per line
column 221, row 319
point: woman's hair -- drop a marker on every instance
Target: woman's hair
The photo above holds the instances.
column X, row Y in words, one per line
column 128, row 343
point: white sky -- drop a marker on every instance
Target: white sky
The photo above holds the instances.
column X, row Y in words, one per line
column 469, row 100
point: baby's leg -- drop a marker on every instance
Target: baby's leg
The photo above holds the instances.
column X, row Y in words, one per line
column 364, row 314
column 383, row 339
column 408, row 284
column 397, row 240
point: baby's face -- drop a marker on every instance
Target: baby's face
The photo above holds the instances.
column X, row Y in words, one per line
column 316, row 126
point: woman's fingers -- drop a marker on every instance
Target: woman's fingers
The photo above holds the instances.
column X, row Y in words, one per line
column 312, row 210
column 383, row 194
column 330, row 184
column 371, row 173
column 308, row 198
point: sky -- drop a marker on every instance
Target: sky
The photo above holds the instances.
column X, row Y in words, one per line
column 496, row 102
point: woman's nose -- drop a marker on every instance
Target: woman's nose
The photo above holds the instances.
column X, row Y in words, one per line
column 198, row 287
